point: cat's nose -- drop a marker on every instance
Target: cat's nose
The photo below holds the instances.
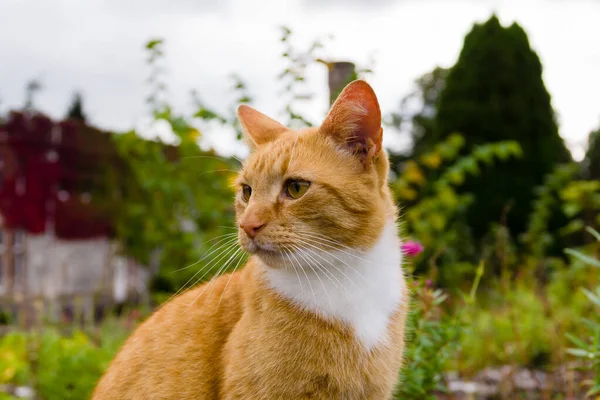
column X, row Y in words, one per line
column 252, row 227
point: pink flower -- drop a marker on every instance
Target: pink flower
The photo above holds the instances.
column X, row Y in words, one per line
column 412, row 248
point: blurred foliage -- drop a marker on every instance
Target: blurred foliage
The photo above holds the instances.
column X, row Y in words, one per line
column 14, row 367
column 57, row 366
column 293, row 79
column 526, row 304
column 229, row 118
column 592, row 156
column 588, row 345
column 175, row 199
column 538, row 236
column 416, row 116
column 434, row 212
column 172, row 203
column 432, row 339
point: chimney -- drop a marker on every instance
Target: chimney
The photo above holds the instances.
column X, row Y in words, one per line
column 341, row 73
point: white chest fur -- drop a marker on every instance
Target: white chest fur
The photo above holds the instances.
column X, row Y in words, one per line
column 361, row 289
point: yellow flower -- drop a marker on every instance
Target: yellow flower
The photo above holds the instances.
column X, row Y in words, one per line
column 194, row 134
column 231, row 180
column 412, row 173
column 431, row 160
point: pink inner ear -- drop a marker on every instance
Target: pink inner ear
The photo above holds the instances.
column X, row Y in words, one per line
column 355, row 119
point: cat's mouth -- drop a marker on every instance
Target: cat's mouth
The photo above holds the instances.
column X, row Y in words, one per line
column 262, row 249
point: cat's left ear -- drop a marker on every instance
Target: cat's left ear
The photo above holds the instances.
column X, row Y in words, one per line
column 259, row 128
column 355, row 120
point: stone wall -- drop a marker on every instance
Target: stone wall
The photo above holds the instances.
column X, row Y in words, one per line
column 55, row 267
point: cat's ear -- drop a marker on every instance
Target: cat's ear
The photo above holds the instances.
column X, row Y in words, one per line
column 354, row 120
column 259, row 128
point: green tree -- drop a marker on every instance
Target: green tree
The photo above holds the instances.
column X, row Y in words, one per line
column 420, row 107
column 495, row 92
column 416, row 116
column 174, row 200
column 592, row 157
column 75, row 110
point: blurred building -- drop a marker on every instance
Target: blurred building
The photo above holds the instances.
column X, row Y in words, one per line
column 56, row 234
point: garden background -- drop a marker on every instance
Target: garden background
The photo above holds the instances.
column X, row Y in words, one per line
column 506, row 292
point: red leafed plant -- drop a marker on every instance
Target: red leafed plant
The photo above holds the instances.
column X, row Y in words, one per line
column 40, row 159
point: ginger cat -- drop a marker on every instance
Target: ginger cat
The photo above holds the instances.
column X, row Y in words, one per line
column 318, row 312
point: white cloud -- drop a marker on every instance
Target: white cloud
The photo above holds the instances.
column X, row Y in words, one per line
column 96, row 46
column 152, row 8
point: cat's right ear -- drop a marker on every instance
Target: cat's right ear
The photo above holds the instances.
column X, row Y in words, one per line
column 354, row 120
column 259, row 128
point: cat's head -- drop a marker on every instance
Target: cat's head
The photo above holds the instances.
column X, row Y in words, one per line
column 316, row 188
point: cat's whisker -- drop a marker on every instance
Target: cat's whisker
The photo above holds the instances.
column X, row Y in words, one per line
column 229, row 280
column 223, row 267
column 213, row 280
column 318, row 250
column 228, row 240
column 323, row 243
column 309, row 261
column 206, row 268
column 218, row 170
column 223, row 247
column 313, row 270
column 293, row 255
column 223, row 159
column 330, row 275
column 220, row 236
column 239, row 253
column 311, row 253
column 319, row 241
column 329, row 240
column 329, row 253
column 336, row 246
column 326, row 271
column 295, row 270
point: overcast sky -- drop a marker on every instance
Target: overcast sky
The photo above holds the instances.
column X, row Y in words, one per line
column 96, row 47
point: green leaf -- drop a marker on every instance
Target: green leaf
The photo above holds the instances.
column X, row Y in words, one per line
column 585, row 258
column 593, row 298
column 579, row 353
column 593, row 232
column 153, row 43
column 208, row 115
column 594, row 390
column 576, row 341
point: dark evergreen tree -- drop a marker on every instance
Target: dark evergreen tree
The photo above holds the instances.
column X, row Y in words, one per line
column 425, row 98
column 592, row 157
column 76, row 109
column 416, row 116
column 495, row 92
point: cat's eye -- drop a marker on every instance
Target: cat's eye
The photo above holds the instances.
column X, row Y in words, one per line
column 246, row 192
column 295, row 188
